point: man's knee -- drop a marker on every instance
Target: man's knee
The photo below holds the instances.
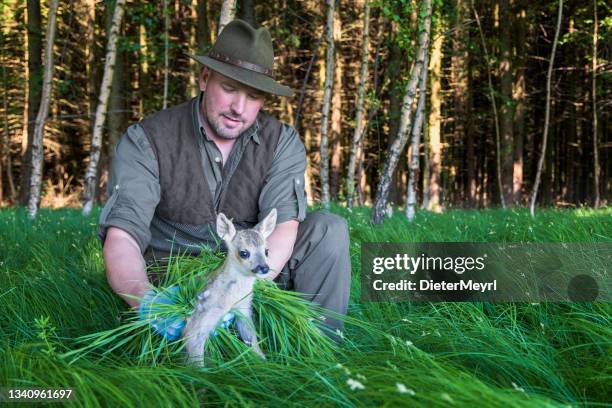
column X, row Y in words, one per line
column 332, row 231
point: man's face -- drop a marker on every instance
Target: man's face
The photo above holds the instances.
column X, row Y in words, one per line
column 228, row 107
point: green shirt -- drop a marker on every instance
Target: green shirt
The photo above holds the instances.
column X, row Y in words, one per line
column 134, row 189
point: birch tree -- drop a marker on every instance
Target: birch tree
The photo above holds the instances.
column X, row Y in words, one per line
column 91, row 175
column 228, row 11
column 538, row 177
column 399, row 143
column 41, row 117
column 416, row 142
column 360, row 107
column 35, row 75
column 327, row 91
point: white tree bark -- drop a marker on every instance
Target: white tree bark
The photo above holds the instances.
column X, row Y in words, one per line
column 416, row 143
column 327, row 93
column 91, row 175
column 496, row 116
column 359, row 108
column 228, row 11
column 399, row 143
column 41, row 117
column 536, row 184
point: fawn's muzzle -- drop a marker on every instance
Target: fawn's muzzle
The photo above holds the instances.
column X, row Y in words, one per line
column 261, row 269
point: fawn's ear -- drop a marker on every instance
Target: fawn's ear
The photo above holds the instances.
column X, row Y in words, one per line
column 225, row 228
column 267, row 225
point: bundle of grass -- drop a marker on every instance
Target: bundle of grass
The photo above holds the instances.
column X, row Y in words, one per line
column 288, row 325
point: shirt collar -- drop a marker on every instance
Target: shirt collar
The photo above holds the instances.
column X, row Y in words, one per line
column 251, row 133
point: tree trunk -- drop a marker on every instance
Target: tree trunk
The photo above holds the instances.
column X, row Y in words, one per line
column 336, row 113
column 37, row 140
column 519, row 98
column 92, row 61
column 536, row 184
column 459, row 68
column 246, row 12
column 117, row 100
column 35, row 77
column 91, row 179
column 4, row 137
column 327, row 91
column 396, row 57
column 202, row 30
column 359, row 108
column 373, row 109
column 494, row 104
column 228, row 10
column 398, row 144
column 166, row 28
column 596, row 169
column 506, row 110
column 435, row 125
column 411, row 196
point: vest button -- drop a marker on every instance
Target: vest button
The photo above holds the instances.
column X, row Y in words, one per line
column 218, row 159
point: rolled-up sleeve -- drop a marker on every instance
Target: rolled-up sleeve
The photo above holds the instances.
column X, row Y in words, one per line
column 284, row 187
column 133, row 188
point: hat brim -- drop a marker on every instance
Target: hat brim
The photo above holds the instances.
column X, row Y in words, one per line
column 247, row 77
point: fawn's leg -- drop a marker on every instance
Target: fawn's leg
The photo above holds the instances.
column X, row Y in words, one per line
column 246, row 328
column 197, row 331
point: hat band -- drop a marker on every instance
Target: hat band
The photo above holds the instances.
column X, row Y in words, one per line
column 240, row 63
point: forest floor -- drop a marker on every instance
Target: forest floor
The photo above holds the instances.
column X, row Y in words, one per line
column 61, row 326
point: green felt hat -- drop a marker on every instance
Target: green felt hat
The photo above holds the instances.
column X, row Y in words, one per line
column 245, row 55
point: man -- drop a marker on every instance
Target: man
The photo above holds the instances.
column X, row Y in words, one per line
column 176, row 169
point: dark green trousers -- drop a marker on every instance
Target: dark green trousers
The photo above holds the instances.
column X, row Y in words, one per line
column 319, row 267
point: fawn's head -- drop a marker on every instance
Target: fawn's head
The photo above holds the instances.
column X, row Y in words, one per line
column 248, row 247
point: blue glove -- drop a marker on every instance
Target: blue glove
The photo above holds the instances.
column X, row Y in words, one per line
column 170, row 326
column 226, row 322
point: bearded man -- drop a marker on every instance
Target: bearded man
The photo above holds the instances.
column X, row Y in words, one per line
column 174, row 171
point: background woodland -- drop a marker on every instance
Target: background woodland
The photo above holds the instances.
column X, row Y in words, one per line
column 350, row 90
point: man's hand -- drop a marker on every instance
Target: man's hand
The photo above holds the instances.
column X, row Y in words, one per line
column 280, row 246
column 153, row 308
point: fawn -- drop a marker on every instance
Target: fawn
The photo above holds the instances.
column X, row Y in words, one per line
column 231, row 286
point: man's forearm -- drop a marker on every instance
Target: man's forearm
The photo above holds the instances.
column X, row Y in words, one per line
column 125, row 267
column 280, row 246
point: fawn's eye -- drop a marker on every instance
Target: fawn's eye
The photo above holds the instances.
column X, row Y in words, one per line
column 244, row 254
column 266, row 251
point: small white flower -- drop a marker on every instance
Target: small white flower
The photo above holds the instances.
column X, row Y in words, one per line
column 516, row 387
column 355, row 385
column 409, row 343
column 447, row 398
column 361, row 377
column 406, row 320
column 401, row 388
column 339, row 333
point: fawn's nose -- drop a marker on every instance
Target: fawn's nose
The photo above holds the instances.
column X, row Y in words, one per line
column 261, row 269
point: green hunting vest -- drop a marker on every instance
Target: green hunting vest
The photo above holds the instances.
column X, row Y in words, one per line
column 185, row 194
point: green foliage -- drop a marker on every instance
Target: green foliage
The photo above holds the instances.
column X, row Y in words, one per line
column 61, row 326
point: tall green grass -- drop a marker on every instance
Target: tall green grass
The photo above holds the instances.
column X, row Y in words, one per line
column 56, row 309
